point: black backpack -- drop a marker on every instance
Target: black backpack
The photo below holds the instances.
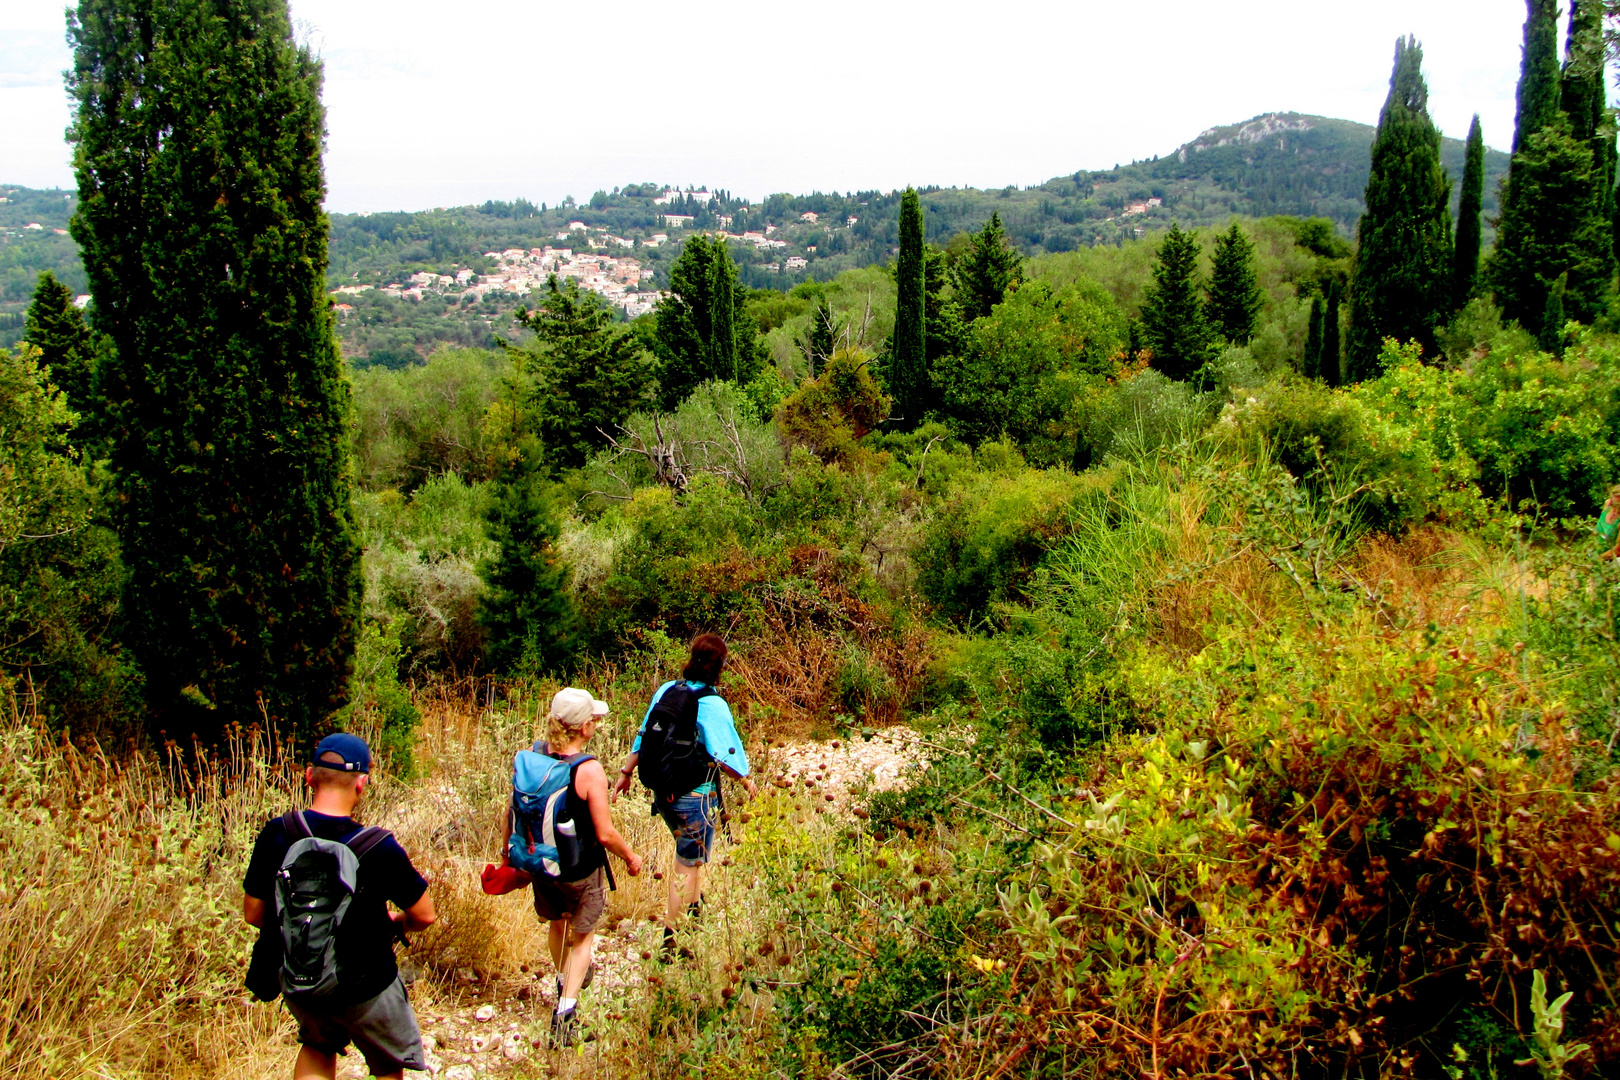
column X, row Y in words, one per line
column 673, row 759
column 314, row 888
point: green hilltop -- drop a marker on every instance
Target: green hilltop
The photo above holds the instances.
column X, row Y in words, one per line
column 1274, row 164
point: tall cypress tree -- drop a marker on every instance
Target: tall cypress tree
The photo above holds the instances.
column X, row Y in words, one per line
column 1539, row 91
column 1558, row 200
column 1235, row 298
column 984, row 273
column 198, row 153
column 1311, row 364
column 723, row 351
column 1465, row 256
column 1402, row 283
column 57, row 329
column 908, row 359
column 1332, row 363
column 1173, row 320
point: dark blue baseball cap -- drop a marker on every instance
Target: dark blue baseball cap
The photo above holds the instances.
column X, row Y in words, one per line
column 351, row 748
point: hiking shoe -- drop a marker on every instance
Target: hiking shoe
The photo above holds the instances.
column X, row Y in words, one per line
column 564, row 1026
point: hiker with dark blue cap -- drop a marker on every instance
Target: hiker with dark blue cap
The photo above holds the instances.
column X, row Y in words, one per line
column 318, row 886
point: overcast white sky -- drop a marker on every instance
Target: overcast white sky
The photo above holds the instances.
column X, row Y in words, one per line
column 437, row 104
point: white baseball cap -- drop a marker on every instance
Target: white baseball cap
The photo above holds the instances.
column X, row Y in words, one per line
column 572, row 707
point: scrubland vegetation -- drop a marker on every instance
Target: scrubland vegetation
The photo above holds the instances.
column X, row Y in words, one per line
column 1234, row 585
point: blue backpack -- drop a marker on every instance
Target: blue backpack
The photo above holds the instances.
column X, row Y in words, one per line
column 552, row 833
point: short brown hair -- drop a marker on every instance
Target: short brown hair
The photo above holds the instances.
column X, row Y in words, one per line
column 708, row 657
column 332, row 778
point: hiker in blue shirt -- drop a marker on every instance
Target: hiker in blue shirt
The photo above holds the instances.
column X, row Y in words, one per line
column 691, row 807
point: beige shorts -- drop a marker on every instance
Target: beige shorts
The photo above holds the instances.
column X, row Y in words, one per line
column 581, row 902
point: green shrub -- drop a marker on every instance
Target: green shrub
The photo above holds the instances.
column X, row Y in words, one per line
column 1136, row 414
column 1330, row 442
column 982, row 546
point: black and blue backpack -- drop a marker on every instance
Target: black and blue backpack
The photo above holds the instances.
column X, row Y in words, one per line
column 553, row 835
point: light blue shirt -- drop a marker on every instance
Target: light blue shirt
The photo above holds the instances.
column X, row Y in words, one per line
column 715, row 726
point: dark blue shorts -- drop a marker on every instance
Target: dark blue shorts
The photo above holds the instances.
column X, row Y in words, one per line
column 691, row 821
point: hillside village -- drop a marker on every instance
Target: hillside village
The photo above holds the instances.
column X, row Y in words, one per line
column 622, row 281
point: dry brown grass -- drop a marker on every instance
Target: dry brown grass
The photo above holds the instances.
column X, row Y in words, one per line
column 122, row 948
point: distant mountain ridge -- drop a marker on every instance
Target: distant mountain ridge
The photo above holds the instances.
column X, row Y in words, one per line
column 1275, row 163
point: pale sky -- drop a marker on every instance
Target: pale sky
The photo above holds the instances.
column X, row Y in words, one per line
column 441, row 104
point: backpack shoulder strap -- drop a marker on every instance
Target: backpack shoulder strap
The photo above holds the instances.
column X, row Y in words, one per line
column 296, row 826
column 366, row 839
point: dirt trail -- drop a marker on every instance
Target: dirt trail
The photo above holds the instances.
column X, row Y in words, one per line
column 487, row 1029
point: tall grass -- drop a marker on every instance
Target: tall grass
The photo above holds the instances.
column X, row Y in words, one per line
column 122, row 948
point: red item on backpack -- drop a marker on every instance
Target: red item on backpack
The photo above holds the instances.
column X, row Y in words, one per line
column 499, row 880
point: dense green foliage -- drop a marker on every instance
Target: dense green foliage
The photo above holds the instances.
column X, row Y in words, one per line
column 1235, row 298
column 1402, row 284
column 587, row 375
column 1175, row 322
column 982, row 274
column 56, row 327
column 1258, row 725
column 702, row 331
column 909, row 382
column 59, row 570
column 1465, row 257
column 224, row 396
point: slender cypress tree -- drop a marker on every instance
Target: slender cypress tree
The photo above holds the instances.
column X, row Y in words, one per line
column 1585, row 101
column 57, row 329
column 1235, row 298
column 1465, row 257
column 1311, row 365
column 986, row 270
column 908, row 358
column 1539, row 91
column 1173, row 320
column 724, row 360
column 1402, row 283
column 1332, row 364
column 198, row 153
column 1553, row 222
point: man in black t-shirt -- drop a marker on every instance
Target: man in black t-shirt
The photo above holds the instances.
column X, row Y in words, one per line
column 370, row 1008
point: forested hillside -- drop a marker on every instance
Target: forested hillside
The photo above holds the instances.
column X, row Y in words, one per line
column 1278, row 164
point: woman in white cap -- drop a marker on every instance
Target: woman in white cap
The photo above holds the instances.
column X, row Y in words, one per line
column 575, row 907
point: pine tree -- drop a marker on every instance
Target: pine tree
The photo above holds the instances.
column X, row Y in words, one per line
column 198, row 153
column 701, row 330
column 821, row 337
column 1311, row 365
column 1332, row 364
column 1402, row 283
column 1465, row 256
column 1173, row 321
column 526, row 611
column 984, row 273
column 942, row 316
column 57, row 329
column 1551, row 339
column 588, row 374
column 1235, row 298
column 1539, row 91
column 908, row 360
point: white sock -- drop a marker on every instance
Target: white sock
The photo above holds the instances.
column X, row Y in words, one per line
column 564, row 1004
